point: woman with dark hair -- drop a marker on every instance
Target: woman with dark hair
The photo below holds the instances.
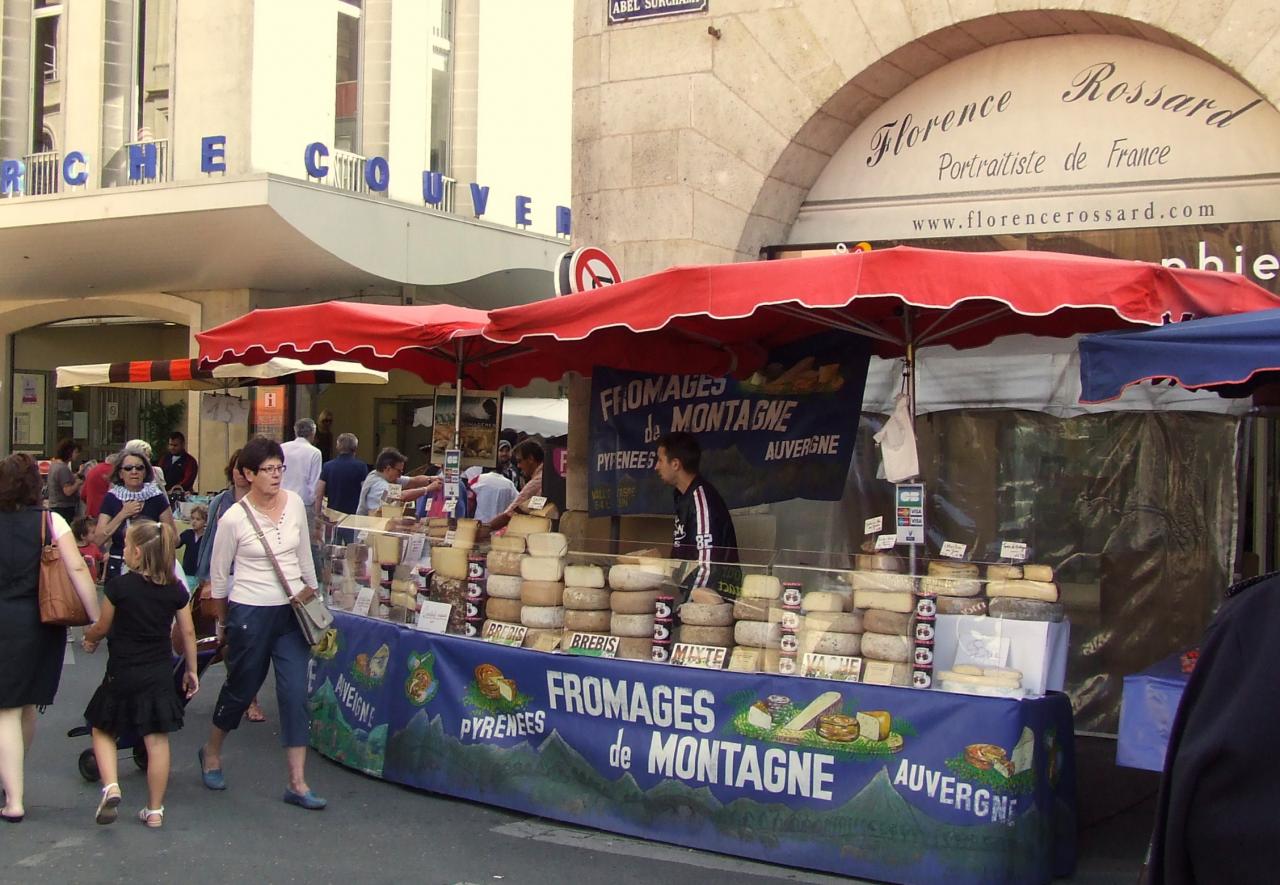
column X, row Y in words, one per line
column 237, row 488
column 64, row 484
column 133, row 495
column 266, row 529
column 30, row 652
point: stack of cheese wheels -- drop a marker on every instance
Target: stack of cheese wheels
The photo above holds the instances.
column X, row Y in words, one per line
column 635, row 587
column 506, row 553
column 704, row 623
column 887, row 601
column 831, row 633
column 955, row 584
column 1023, row 593
column 542, row 581
column 586, row 601
column 758, row 617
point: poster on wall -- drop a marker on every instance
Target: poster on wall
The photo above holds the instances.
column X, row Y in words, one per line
column 786, row 432
column 28, row 409
column 269, row 412
column 481, row 421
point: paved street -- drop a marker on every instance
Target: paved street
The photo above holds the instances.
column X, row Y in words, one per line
column 372, row 832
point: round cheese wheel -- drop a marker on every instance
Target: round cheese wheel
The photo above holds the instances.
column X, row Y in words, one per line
column 635, row 649
column 834, row 622
column 877, row 562
column 533, row 633
column 757, row 634
column 503, row 562
column 542, row 593
column 699, row 615
column 637, row 626
column 1004, row 572
column 542, row 616
column 547, row 544
column 752, row 609
column 697, row 635
column 942, row 569
column 761, row 587
column 886, row 600
column 503, row 586
column 633, row 603
column 586, row 598
column 1024, row 589
column 882, row 581
column 542, row 568
column 830, row 643
column 587, row 621
column 883, row 647
column 879, row 621
column 635, row 577
column 823, row 601
column 583, row 576
column 497, row 609
column 951, row 586
column 1041, row 573
column 958, row 605
column 1026, row 610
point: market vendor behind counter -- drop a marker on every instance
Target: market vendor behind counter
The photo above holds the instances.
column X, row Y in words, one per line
column 703, row 532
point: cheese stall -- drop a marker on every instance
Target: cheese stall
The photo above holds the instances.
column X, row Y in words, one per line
column 882, row 706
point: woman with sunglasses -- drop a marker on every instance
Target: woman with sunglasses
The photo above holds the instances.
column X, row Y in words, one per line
column 133, row 495
column 261, row 558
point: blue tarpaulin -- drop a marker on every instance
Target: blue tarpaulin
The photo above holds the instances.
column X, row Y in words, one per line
column 895, row 784
column 1150, row 702
column 1214, row 352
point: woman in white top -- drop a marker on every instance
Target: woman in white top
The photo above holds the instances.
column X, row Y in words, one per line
column 256, row 615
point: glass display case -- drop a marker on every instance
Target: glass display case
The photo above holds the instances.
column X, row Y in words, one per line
column 882, row 617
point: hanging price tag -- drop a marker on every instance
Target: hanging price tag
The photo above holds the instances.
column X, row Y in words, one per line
column 952, row 550
column 537, row 502
column 1015, row 550
column 873, row 525
column 886, row 542
column 449, row 537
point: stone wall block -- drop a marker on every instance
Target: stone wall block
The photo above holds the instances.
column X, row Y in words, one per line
column 800, row 165
column 585, row 162
column 716, row 222
column 824, row 133
column 586, row 61
column 742, row 65
column 888, row 21
column 927, row 16
column 615, row 162
column 1192, row 21
column 1242, row 33
column 779, row 201
column 588, row 225
column 646, row 213
column 588, row 17
column 951, row 42
column 728, row 120
column 789, row 40
column 707, row 167
column 916, row 59
column 843, row 35
column 991, row 30
column 677, row 46
column 644, row 105
column 884, row 79
column 759, row 232
column 586, row 113
column 654, row 158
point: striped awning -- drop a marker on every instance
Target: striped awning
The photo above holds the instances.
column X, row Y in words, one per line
column 191, row 374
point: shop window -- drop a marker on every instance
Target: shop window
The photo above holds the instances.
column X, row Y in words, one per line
column 45, row 101
column 346, row 136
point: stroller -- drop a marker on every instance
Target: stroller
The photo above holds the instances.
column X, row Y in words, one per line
column 208, row 651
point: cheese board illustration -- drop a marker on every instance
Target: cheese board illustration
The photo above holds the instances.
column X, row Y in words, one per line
column 492, row 692
column 1008, row 771
column 826, row 722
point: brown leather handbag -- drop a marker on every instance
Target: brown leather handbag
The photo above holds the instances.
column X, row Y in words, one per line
column 60, row 604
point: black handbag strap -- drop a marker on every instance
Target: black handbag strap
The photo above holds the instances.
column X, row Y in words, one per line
column 271, row 555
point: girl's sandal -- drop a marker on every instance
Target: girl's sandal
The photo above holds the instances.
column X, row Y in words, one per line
column 108, row 805
column 146, row 815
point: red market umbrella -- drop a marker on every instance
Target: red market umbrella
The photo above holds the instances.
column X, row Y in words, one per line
column 429, row 340
column 902, row 298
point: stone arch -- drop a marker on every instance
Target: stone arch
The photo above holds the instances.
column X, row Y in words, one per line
column 897, row 59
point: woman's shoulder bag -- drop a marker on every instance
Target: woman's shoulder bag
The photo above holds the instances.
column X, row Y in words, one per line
column 60, row 604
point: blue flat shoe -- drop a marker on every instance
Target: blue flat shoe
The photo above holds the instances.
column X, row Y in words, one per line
column 307, row 800
column 212, row 778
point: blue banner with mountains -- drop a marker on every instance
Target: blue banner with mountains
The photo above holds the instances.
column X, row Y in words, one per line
column 896, row 784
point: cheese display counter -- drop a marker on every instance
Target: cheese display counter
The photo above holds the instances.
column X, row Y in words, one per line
column 598, row 690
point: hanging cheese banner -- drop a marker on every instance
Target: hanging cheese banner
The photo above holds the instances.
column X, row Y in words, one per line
column 787, row 431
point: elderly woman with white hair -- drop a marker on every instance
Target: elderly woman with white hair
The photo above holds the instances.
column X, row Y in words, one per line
column 134, row 494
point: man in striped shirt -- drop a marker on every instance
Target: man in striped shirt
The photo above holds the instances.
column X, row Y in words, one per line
column 703, row 531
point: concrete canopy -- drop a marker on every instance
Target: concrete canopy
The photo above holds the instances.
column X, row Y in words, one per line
column 267, row 233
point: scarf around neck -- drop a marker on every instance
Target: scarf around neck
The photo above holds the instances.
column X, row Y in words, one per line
column 146, row 493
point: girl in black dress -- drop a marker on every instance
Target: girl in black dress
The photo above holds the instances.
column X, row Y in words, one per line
column 137, row 695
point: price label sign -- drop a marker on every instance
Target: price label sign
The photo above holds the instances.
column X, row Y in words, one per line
column 886, row 542
column 745, row 659
column 433, row 617
column 953, row 550
column 593, row 645
column 364, row 601
column 873, row 525
column 537, row 502
column 449, row 537
column 708, row 657
column 1015, row 550
column 838, row 667
column 413, row 549
column 503, row 633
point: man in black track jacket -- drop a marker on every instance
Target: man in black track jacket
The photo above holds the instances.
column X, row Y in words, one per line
column 703, row 533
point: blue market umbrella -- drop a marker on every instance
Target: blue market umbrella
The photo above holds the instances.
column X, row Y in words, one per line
column 1230, row 354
